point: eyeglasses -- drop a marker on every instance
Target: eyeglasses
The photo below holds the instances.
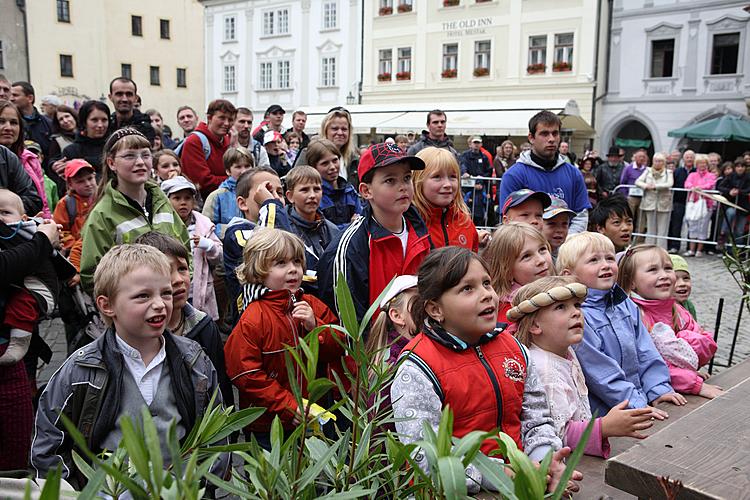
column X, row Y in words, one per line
column 146, row 156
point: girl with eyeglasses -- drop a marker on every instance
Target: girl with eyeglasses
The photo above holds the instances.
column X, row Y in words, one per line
column 128, row 204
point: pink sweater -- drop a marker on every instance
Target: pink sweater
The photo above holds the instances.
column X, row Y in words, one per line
column 684, row 380
column 704, row 180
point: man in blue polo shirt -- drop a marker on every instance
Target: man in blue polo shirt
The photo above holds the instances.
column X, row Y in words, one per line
column 544, row 169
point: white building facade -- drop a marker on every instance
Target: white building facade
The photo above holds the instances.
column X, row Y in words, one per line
column 672, row 63
column 296, row 53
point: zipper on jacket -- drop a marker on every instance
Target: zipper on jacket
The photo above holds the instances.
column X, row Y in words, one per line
column 495, row 385
column 445, row 228
column 295, row 334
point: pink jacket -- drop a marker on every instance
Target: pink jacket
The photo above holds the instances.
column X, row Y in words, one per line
column 202, row 287
column 667, row 311
column 33, row 168
column 705, row 180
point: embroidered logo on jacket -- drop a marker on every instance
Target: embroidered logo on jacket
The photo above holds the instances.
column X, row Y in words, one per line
column 514, row 370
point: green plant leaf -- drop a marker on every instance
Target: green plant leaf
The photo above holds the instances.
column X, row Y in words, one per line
column 573, row 460
column 311, row 473
column 373, row 307
column 363, row 446
column 351, row 493
column 151, row 437
column 237, row 421
column 452, row 477
column 468, row 446
column 51, row 488
column 318, row 388
column 227, row 486
column 345, row 304
column 493, row 472
column 137, row 448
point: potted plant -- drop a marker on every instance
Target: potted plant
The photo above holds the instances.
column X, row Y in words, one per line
column 536, row 68
column 403, row 75
column 451, row 3
column 405, row 7
column 384, row 77
column 449, row 73
column 386, row 11
column 481, row 71
column 561, row 66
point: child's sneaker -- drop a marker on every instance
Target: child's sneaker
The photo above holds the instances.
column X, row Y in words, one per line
column 689, row 253
column 699, row 254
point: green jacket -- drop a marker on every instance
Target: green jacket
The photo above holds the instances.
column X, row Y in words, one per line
column 114, row 221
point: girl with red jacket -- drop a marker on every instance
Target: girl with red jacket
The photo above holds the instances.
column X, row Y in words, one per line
column 463, row 360
column 275, row 313
column 438, row 199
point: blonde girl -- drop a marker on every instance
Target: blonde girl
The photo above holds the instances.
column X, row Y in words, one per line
column 517, row 255
column 393, row 328
column 437, row 196
column 166, row 165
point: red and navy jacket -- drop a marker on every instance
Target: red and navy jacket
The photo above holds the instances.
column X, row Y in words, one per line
column 369, row 256
column 448, row 226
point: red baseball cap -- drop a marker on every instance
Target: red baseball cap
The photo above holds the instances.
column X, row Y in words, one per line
column 382, row 155
column 75, row 166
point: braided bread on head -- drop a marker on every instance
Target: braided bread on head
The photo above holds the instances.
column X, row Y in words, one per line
column 544, row 299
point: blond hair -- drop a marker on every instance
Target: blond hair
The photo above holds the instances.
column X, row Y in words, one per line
column 627, row 264
column 121, row 260
column 264, row 248
column 701, row 157
column 523, row 325
column 233, row 156
column 502, row 252
column 347, row 151
column 301, row 174
column 377, row 340
column 17, row 201
column 437, row 160
column 577, row 245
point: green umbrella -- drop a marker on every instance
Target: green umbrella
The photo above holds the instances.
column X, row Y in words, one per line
column 725, row 128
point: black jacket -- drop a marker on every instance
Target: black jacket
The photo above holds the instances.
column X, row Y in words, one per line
column 741, row 182
column 139, row 121
column 316, row 236
column 38, row 128
column 475, row 163
column 20, row 261
column 206, row 333
column 14, row 178
column 87, row 149
column 425, row 141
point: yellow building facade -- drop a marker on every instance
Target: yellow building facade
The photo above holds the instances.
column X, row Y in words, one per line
column 76, row 47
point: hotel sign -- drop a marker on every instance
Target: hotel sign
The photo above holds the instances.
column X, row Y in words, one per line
column 466, row 27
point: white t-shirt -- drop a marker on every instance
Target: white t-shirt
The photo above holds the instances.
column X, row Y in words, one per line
column 403, row 235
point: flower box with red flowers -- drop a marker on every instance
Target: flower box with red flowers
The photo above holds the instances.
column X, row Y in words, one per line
column 562, row 66
column 405, row 7
column 449, row 73
column 481, row 71
column 403, row 75
column 385, row 11
column 451, row 3
column 384, row 77
column 536, row 68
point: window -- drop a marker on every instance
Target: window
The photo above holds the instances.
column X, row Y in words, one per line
column 404, row 64
column 384, row 64
column 328, row 72
column 537, row 54
column 164, row 28
column 386, row 7
column 126, row 70
column 276, row 22
column 63, row 11
column 662, row 58
column 266, row 75
column 329, row 15
column 450, row 57
column 725, row 54
column 283, row 68
column 405, row 5
column 563, row 52
column 482, row 49
column 66, row 65
column 182, row 77
column 154, row 72
column 136, row 29
column 230, row 78
column 230, row 28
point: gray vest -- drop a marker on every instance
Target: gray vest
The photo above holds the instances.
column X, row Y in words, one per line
column 163, row 410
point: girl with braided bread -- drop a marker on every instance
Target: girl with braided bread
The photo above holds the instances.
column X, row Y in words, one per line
column 548, row 320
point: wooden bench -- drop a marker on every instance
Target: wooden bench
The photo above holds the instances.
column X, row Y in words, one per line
column 705, row 444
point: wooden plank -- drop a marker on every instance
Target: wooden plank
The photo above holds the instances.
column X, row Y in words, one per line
column 708, row 449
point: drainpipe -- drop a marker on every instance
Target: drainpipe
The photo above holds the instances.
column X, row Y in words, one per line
column 361, row 52
column 596, row 63
column 21, row 4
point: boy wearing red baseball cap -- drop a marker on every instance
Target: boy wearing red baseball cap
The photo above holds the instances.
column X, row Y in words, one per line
column 71, row 211
column 390, row 239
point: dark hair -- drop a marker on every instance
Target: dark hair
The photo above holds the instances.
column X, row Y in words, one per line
column 221, row 105
column 436, row 112
column 245, row 182
column 17, row 146
column 64, row 109
column 242, row 110
column 123, row 79
column 440, row 271
column 165, row 244
column 28, row 89
column 615, row 204
column 183, row 108
column 87, row 108
column 543, row 117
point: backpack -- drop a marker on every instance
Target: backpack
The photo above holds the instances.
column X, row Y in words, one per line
column 204, row 142
column 71, row 205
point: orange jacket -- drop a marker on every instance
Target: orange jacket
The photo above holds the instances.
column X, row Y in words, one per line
column 71, row 230
column 254, row 353
column 452, row 227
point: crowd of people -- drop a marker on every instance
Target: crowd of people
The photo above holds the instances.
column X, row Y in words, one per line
column 160, row 247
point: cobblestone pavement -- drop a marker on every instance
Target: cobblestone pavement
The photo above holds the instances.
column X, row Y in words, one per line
column 711, row 281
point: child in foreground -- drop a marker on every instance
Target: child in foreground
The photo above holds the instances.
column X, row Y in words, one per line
column 617, row 355
column 275, row 313
column 549, row 321
column 646, row 273
column 517, row 255
column 683, row 284
column 394, row 328
column 460, row 359
column 134, row 364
